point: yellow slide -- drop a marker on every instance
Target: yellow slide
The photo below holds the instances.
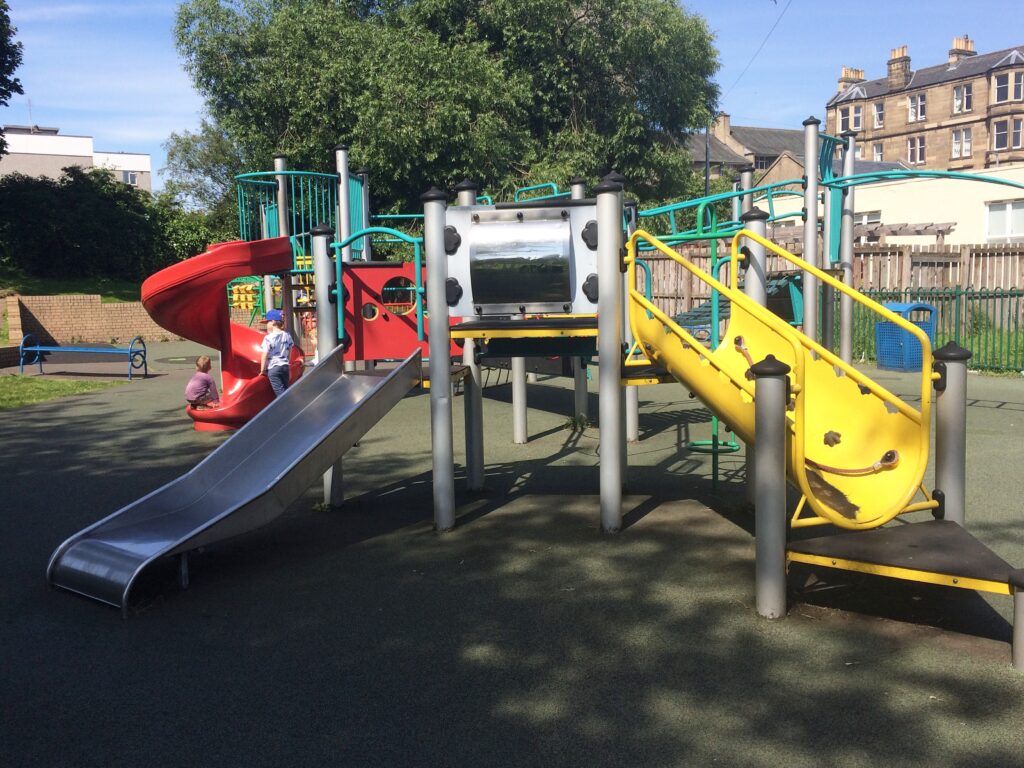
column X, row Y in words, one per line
column 856, row 451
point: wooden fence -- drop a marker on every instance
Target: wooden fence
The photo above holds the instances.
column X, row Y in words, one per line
column 875, row 268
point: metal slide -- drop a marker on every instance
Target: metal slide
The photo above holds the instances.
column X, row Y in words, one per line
column 244, row 484
column 856, row 451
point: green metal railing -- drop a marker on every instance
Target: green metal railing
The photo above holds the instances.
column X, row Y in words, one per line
column 989, row 323
column 549, row 191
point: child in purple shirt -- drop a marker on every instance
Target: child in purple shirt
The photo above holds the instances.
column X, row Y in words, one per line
column 201, row 390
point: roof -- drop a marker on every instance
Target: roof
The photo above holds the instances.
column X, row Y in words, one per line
column 866, row 166
column 769, row 141
column 970, row 66
column 719, row 152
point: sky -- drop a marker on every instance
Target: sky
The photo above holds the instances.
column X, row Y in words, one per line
column 109, row 68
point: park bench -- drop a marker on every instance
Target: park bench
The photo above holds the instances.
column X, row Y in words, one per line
column 135, row 352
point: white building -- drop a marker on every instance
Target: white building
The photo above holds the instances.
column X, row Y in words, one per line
column 38, row 151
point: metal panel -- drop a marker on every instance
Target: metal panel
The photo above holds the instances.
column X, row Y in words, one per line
column 245, row 483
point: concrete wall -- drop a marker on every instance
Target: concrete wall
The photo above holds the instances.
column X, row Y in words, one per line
column 42, row 165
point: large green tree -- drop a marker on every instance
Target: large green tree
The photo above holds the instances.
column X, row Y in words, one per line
column 10, row 60
column 507, row 92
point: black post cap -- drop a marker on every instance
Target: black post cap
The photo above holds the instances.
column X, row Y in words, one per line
column 770, row 366
column 607, row 186
column 433, row 194
column 342, row 146
column 364, row 171
column 952, row 352
column 748, row 168
column 577, row 180
column 280, row 156
column 615, row 176
column 847, row 134
column 754, row 214
column 465, row 185
column 812, row 120
column 322, row 229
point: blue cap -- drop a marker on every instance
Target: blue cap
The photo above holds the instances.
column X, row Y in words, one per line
column 275, row 316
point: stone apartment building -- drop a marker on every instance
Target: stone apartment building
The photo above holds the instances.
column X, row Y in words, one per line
column 39, row 151
column 964, row 114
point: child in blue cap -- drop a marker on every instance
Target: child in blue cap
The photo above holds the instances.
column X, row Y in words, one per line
column 276, row 346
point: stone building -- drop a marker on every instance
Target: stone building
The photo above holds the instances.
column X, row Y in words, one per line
column 964, row 114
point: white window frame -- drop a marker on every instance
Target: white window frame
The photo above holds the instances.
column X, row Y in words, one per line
column 1016, row 131
column 1018, row 86
column 878, row 110
column 131, row 178
column 917, row 108
column 963, row 98
column 961, row 143
column 877, row 152
column 1005, row 134
column 915, row 150
column 1008, row 235
column 763, row 162
column 968, row 148
column 1004, row 85
column 858, row 114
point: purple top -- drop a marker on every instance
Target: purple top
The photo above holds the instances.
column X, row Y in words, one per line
column 201, row 387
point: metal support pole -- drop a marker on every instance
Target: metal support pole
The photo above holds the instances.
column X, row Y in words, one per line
column 746, row 182
column 466, row 191
column 846, row 253
column 631, row 394
column 1017, row 582
column 755, row 286
column 578, row 191
column 828, row 297
column 951, row 430
column 284, row 230
column 609, row 350
column 770, row 396
column 326, row 338
column 344, row 203
column 810, row 287
column 434, row 205
column 473, row 403
column 364, row 177
column 520, row 433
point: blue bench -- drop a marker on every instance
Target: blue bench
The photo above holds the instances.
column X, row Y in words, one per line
column 135, row 352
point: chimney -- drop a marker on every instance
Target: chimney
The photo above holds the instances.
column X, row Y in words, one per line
column 963, row 47
column 899, row 68
column 849, row 76
column 722, row 129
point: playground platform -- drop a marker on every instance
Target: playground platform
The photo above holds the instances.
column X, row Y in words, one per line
column 524, row 637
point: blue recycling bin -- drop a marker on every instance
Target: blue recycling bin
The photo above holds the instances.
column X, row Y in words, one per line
column 896, row 348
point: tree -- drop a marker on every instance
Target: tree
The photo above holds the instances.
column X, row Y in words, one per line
column 10, row 60
column 429, row 91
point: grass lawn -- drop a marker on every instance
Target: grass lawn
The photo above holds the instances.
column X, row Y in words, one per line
column 16, row 391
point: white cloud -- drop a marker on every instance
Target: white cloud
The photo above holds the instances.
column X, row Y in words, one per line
column 62, row 12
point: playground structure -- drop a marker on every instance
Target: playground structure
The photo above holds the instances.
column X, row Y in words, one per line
column 531, row 277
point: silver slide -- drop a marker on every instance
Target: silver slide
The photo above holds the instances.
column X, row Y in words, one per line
column 247, row 482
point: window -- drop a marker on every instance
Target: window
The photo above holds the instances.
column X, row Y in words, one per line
column 1015, row 136
column 763, row 162
column 915, row 150
column 879, row 110
column 963, row 98
column 1000, row 134
column 131, row 178
column 876, row 153
column 850, row 118
column 916, row 108
column 1018, row 86
column 1006, row 222
column 1002, row 87
column 961, row 142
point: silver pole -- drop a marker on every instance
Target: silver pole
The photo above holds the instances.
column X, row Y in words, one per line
column 1017, row 582
column 520, row 433
column 472, row 385
column 746, row 182
column 846, row 253
column 771, row 393
column 473, row 403
column 578, row 191
column 951, row 430
column 326, row 338
column 609, row 350
column 364, row 176
column 810, row 287
column 344, row 223
column 434, row 205
column 737, row 207
column 344, row 203
column 755, row 286
column 828, row 297
column 284, row 230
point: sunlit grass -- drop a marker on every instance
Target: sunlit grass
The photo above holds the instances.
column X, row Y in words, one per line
column 18, row 391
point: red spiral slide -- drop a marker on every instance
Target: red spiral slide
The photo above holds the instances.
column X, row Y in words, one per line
column 190, row 299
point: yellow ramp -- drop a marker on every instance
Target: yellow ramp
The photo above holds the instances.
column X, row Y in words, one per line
column 856, row 451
